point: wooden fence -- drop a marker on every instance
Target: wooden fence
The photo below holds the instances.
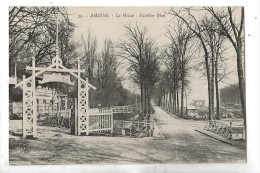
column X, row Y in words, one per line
column 136, row 128
column 230, row 132
column 100, row 120
column 125, row 109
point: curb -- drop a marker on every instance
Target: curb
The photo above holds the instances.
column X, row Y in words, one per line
column 160, row 137
column 241, row 144
column 214, row 136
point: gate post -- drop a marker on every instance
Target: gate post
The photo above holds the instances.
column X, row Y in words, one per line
column 76, row 116
column 34, row 100
column 28, row 109
column 78, row 112
column 82, row 104
column 87, row 108
column 24, row 115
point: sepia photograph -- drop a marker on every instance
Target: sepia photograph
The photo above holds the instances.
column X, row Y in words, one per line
column 127, row 85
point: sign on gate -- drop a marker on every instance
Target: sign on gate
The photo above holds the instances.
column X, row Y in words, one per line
column 29, row 98
column 56, row 77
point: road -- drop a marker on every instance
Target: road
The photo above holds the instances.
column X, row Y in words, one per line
column 191, row 146
column 182, row 144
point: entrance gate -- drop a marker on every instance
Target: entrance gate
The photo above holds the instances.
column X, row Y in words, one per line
column 29, row 97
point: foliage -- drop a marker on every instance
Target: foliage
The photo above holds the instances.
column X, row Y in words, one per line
column 32, row 34
column 230, row 95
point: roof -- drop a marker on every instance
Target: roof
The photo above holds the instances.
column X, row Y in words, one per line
column 191, row 107
column 198, row 100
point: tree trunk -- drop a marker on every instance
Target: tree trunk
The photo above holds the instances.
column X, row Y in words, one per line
column 182, row 86
column 212, row 85
column 186, row 105
column 177, row 96
column 217, row 91
column 145, row 100
column 149, row 103
column 142, row 98
column 241, row 83
column 170, row 102
column 174, row 100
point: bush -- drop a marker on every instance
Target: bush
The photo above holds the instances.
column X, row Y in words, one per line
column 123, row 116
column 15, row 116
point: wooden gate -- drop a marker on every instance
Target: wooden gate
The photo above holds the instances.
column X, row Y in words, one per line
column 100, row 120
column 29, row 93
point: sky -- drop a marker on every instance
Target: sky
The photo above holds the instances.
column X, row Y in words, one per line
column 108, row 22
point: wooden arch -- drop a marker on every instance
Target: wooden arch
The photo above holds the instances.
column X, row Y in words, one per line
column 29, row 97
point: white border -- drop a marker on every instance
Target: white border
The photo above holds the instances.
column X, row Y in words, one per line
column 252, row 88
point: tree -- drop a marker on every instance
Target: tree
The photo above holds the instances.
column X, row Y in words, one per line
column 230, row 95
column 215, row 43
column 89, row 60
column 180, row 36
column 195, row 26
column 151, row 72
column 32, row 33
column 138, row 49
column 107, row 79
column 232, row 26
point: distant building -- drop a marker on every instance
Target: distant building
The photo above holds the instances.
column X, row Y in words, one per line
column 192, row 111
column 198, row 104
column 48, row 100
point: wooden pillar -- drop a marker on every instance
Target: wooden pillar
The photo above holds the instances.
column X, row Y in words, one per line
column 76, row 118
column 112, row 121
column 24, row 114
column 34, row 100
column 87, row 107
column 78, row 104
column 69, row 115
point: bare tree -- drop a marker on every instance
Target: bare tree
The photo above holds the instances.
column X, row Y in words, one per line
column 215, row 43
column 107, row 80
column 32, row 33
column 180, row 36
column 232, row 26
column 194, row 25
column 89, row 58
column 138, row 49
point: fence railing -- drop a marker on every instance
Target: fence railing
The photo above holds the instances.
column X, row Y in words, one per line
column 125, row 109
column 136, row 128
column 100, row 121
column 227, row 131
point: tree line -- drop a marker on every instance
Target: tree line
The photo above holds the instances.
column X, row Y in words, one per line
column 143, row 56
column 202, row 34
column 32, row 34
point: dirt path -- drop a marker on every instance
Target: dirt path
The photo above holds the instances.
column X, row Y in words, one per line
column 181, row 145
column 191, row 146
